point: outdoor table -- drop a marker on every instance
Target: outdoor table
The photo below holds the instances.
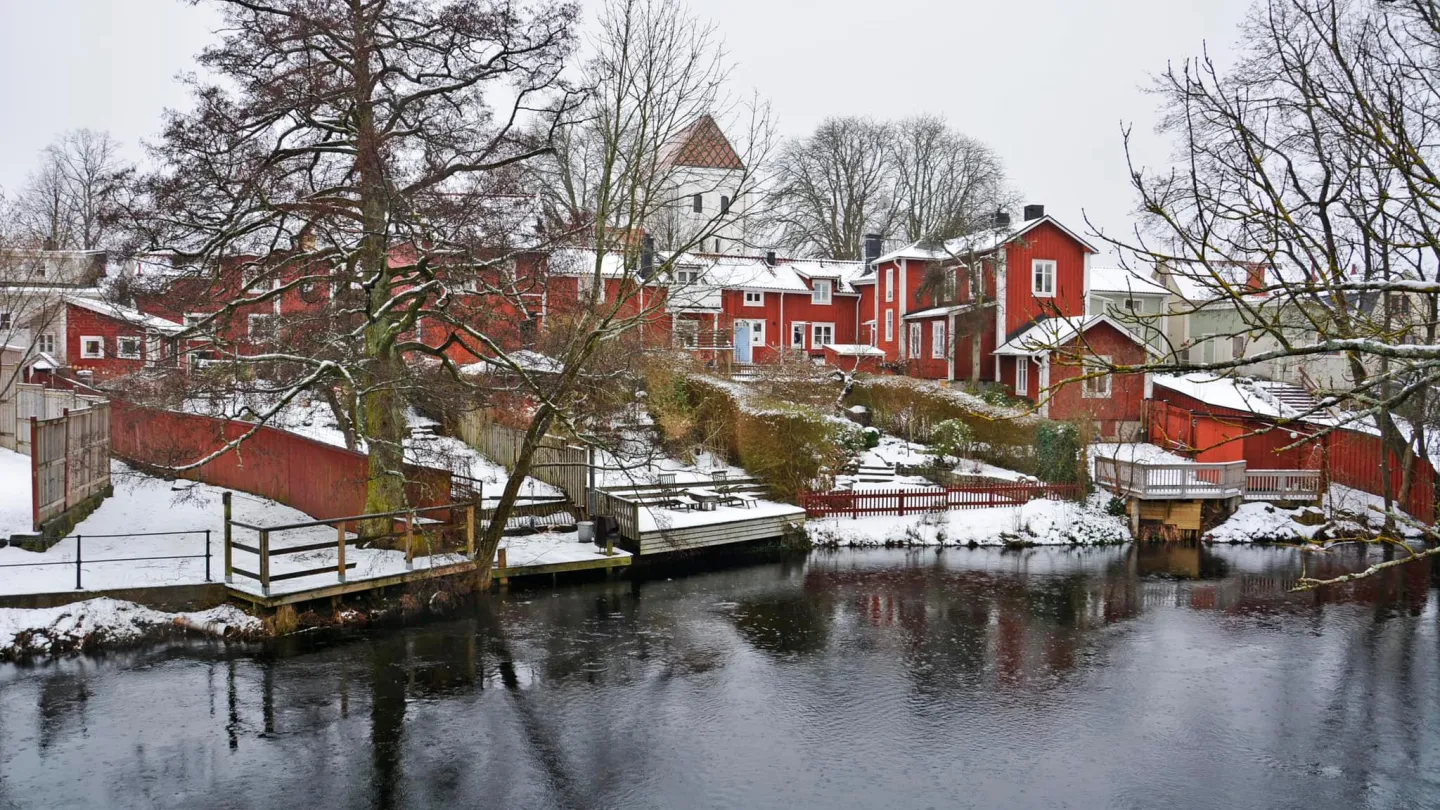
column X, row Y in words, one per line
column 705, row 499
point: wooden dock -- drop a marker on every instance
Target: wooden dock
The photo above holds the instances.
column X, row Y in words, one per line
column 1174, row 493
column 687, row 516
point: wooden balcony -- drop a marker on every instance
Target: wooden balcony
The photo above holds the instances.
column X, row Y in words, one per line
column 1282, row 485
column 1170, row 482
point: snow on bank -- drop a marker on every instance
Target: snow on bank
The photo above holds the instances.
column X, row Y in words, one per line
column 1344, row 512
column 1041, row 522
column 85, row 625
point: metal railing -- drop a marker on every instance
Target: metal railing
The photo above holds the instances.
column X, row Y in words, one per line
column 80, row 562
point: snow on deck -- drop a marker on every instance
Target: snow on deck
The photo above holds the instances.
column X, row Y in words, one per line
column 659, row 518
column 1039, row 522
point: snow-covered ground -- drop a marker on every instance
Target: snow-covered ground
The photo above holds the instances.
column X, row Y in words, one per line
column 1041, row 522
column 550, row 548
column 658, row 518
column 15, row 502
column 1346, row 512
column 1136, row 451
column 45, row 631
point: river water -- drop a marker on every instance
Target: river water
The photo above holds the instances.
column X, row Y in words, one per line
column 1155, row 678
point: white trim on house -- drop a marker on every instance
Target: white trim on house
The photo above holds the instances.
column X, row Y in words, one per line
column 798, row 329
column 821, row 284
column 86, row 352
column 757, row 330
column 913, row 344
column 757, row 301
column 1101, row 387
column 937, row 340
column 889, row 325
column 815, row 329
column 137, row 354
column 1022, row 376
column 1047, row 288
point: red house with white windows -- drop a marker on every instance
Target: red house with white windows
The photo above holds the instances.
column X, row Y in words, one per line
column 105, row 340
column 1028, row 312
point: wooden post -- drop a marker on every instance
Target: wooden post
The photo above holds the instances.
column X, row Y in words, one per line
column 34, row 479
column 409, row 542
column 902, row 503
column 265, row 562
column 500, row 563
column 609, row 546
column 340, row 544
column 229, row 556
column 470, row 531
column 66, row 415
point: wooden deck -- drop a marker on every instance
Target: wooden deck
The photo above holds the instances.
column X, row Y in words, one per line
column 653, row 519
column 1171, row 482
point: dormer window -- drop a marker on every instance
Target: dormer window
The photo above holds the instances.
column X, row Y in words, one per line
column 1043, row 275
column 754, row 298
column 820, row 291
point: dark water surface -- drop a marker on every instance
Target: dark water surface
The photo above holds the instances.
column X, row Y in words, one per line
column 1048, row 678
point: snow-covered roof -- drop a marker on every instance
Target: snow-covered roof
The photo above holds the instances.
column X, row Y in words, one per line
column 125, row 314
column 1123, row 280
column 937, row 312
column 525, row 359
column 855, row 350
column 1237, row 394
column 1051, row 333
column 979, row 243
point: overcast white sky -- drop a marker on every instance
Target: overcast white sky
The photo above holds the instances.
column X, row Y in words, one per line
column 1046, row 82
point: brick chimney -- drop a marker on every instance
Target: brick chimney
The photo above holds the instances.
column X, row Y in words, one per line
column 1255, row 276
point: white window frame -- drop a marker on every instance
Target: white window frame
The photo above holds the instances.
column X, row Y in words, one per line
column 1101, row 387
column 819, row 285
column 5, row 320
column 815, row 329
column 757, row 330
column 889, row 325
column 915, row 338
column 890, row 284
column 250, row 324
column 1022, row 376
column 46, row 343
column 754, row 298
column 687, row 275
column 85, row 352
column 798, row 329
column 1046, row 290
column 697, row 204
column 121, row 354
column 937, row 340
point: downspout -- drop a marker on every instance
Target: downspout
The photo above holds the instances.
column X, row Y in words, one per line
column 950, row 349
column 784, row 335
column 900, row 335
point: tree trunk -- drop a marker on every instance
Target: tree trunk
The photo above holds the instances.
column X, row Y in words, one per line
column 485, row 550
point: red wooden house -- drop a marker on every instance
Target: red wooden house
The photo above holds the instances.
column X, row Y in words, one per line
column 105, row 340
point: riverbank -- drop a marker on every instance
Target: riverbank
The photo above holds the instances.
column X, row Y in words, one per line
column 1037, row 523
column 105, row 623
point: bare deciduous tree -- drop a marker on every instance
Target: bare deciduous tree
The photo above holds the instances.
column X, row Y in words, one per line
column 73, row 201
column 833, row 187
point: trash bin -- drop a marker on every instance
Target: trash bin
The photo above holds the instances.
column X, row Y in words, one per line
column 586, row 530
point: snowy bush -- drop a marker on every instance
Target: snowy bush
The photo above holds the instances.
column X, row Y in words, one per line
column 952, row 439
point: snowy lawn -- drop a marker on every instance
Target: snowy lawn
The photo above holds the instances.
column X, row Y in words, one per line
column 1138, row 452
column 1041, row 522
column 550, row 548
column 15, row 500
column 82, row 625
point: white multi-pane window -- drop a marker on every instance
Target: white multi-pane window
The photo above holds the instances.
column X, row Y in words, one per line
column 1043, row 274
column 262, row 327
column 937, row 340
column 914, row 341
column 92, row 347
column 822, row 334
column 1022, row 376
column 1098, row 386
column 820, row 292
column 889, row 284
column 757, row 330
column 754, row 298
column 797, row 335
column 46, row 343
column 127, row 348
column 889, row 325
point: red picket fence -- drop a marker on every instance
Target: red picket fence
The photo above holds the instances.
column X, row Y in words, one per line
column 901, row 502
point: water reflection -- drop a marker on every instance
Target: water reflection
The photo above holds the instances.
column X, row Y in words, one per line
column 1146, row 676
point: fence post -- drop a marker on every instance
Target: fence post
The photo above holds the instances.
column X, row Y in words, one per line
column 77, row 539
column 340, row 544
column 265, row 562
column 65, row 413
column 34, row 479
column 470, row 531
column 207, row 555
column 229, row 559
column 902, row 503
column 409, row 542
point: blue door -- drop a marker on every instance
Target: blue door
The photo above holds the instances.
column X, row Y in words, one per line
column 742, row 343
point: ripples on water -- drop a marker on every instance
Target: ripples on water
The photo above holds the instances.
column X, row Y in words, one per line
column 1046, row 678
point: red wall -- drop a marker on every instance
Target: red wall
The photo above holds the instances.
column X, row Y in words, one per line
column 319, row 479
column 1127, row 391
column 81, row 322
column 1022, row 307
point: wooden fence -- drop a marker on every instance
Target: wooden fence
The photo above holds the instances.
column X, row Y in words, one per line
column 903, row 502
column 319, row 479
column 21, row 402
column 555, row 462
column 69, row 460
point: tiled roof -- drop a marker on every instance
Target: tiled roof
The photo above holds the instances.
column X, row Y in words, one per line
column 702, row 145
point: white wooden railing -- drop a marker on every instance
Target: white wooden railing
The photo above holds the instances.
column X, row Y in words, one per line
column 1171, row 481
column 1282, row 485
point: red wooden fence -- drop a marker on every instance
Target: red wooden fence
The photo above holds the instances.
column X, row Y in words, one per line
column 319, row 479
column 936, row 499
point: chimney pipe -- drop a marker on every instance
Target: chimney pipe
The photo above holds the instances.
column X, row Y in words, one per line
column 769, row 258
column 1034, row 212
column 872, row 247
column 1002, row 219
column 647, row 257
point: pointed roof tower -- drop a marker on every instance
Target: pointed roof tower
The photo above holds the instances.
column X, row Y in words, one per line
column 703, row 146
